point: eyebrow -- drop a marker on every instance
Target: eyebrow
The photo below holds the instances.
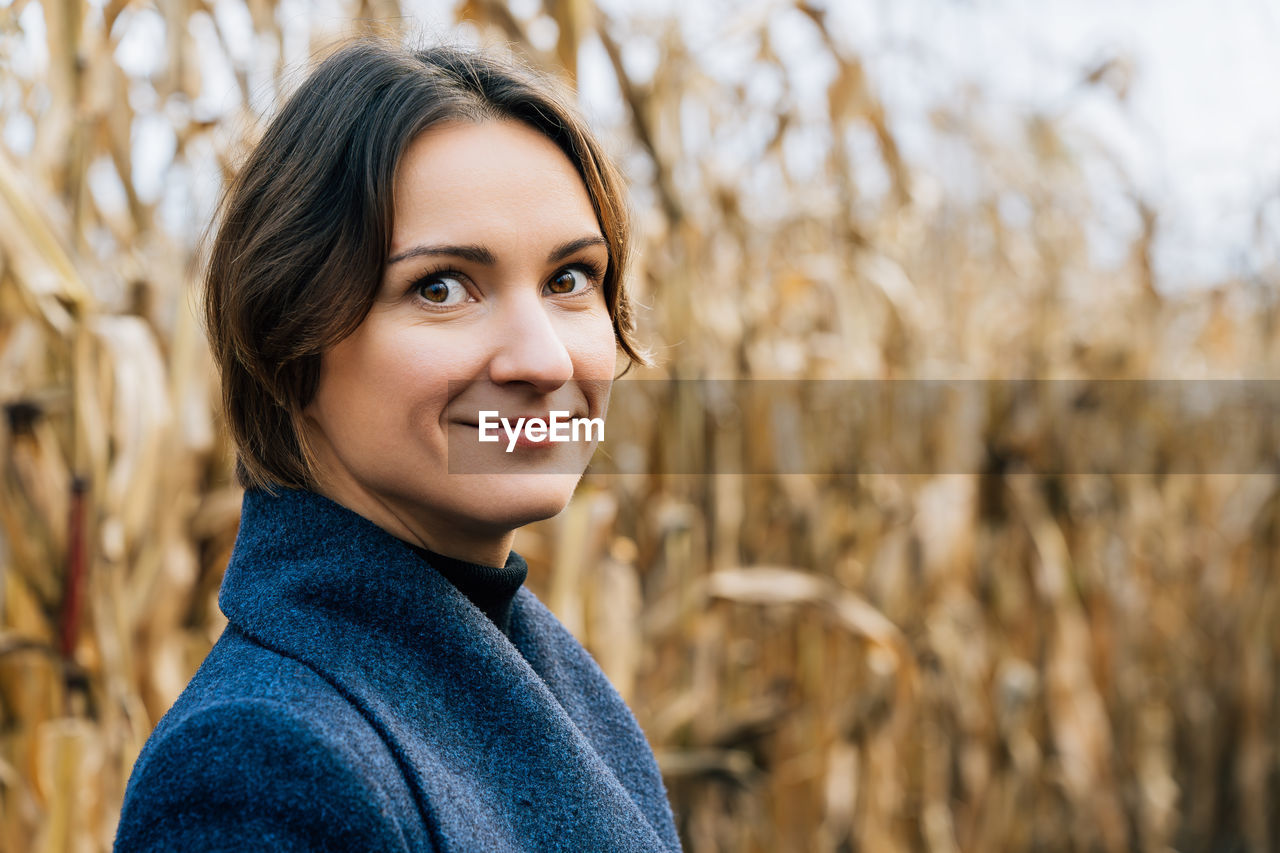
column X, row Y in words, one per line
column 482, row 255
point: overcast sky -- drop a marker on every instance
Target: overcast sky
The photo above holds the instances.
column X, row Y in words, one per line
column 1199, row 135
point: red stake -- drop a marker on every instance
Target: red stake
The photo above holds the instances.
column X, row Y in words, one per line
column 77, row 569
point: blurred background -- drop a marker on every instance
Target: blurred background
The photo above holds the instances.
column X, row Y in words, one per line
column 1006, row 660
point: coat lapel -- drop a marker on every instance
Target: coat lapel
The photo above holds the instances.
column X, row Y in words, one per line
column 499, row 755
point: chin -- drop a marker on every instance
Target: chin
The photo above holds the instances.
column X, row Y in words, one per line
column 509, row 501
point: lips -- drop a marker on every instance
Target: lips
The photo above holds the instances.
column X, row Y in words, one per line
column 539, row 430
column 545, row 417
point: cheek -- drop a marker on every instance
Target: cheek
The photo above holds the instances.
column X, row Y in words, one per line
column 353, row 376
column 374, row 382
column 596, row 362
column 596, row 350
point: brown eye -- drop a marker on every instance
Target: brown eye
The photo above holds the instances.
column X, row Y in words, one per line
column 568, row 280
column 441, row 290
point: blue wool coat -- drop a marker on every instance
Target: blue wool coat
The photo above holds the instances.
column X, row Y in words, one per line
column 358, row 701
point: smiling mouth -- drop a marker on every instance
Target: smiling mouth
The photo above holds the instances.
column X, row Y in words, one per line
column 539, row 431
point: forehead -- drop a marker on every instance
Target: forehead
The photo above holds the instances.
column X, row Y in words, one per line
column 489, row 181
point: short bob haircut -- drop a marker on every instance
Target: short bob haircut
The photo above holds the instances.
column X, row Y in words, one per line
column 306, row 225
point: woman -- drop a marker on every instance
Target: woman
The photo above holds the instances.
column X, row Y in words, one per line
column 421, row 242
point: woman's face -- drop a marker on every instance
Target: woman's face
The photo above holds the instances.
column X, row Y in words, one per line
column 492, row 302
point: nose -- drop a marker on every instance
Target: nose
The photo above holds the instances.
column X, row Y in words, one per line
column 530, row 349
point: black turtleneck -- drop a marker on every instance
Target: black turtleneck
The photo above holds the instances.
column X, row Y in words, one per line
column 490, row 589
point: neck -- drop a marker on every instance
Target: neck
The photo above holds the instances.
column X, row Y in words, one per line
column 448, row 538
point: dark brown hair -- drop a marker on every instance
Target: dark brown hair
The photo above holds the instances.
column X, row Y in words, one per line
column 306, row 225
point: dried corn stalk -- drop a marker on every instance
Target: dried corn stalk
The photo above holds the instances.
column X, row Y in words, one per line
column 931, row 661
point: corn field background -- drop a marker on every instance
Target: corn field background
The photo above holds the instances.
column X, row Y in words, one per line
column 1000, row 661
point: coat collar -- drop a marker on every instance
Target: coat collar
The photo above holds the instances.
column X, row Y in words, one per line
column 500, row 755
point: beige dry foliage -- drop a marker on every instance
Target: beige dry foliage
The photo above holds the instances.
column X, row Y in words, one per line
column 980, row 662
